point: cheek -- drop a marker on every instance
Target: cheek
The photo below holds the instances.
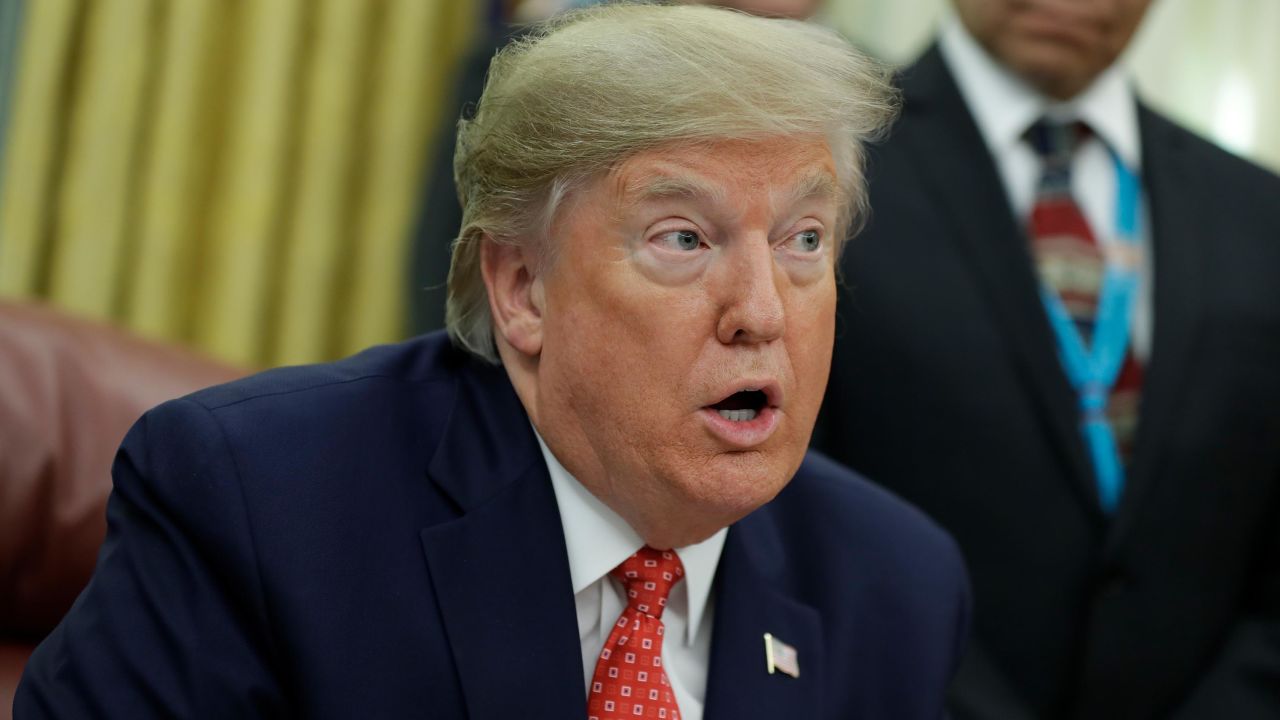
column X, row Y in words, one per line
column 619, row 345
column 811, row 327
column 814, row 308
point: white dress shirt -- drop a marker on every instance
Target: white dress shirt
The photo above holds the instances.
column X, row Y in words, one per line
column 598, row 540
column 1004, row 107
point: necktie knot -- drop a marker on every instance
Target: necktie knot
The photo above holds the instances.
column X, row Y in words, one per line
column 1055, row 141
column 648, row 577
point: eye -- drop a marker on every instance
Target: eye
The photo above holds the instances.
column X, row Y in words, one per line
column 681, row 240
column 807, row 241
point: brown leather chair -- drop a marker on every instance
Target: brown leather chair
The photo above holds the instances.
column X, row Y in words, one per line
column 69, row 390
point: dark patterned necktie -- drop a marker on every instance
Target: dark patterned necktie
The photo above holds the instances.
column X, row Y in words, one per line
column 1070, row 262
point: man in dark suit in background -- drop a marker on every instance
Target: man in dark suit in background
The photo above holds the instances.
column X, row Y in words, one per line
column 1060, row 336
column 592, row 499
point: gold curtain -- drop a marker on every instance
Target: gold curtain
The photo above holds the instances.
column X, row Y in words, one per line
column 238, row 175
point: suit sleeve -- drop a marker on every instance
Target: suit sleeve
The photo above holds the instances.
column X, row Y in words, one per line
column 174, row 620
column 1244, row 680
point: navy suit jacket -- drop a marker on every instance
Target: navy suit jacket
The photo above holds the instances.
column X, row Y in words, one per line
column 379, row 538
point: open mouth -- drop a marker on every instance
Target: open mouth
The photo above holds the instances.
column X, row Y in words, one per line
column 742, row 406
column 747, row 417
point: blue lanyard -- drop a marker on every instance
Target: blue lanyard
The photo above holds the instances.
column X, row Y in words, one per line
column 1093, row 371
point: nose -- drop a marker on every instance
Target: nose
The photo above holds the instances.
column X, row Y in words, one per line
column 752, row 307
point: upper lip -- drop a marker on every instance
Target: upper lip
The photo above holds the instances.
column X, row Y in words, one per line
column 770, row 387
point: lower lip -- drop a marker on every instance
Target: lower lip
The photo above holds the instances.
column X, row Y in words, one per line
column 745, row 434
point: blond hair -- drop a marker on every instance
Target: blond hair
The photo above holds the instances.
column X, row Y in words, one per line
column 585, row 91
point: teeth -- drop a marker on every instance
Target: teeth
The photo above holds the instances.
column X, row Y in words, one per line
column 738, row 415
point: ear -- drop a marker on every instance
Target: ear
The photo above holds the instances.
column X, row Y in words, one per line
column 515, row 294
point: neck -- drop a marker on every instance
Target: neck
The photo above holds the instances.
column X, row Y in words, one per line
column 1059, row 88
column 663, row 520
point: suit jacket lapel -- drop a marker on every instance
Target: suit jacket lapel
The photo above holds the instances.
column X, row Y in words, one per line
column 1171, row 185
column 749, row 602
column 952, row 157
column 501, row 571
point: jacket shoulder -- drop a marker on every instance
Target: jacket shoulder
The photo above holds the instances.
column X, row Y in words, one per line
column 297, row 430
column 1225, row 172
column 421, row 360
column 842, row 509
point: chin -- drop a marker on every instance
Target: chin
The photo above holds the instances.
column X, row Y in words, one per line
column 738, row 483
column 714, row 493
column 1052, row 71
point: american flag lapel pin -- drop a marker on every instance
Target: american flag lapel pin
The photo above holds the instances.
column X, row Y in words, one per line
column 780, row 657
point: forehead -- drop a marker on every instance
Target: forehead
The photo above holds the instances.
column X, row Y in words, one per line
column 784, row 168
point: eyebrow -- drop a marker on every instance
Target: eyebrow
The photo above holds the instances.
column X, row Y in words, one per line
column 666, row 187
column 817, row 184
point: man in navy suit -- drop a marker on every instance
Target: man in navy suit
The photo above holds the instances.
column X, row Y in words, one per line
column 592, row 499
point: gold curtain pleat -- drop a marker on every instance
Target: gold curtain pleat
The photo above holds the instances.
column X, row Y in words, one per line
column 249, row 200
column 177, row 177
column 98, row 191
column 33, row 148
column 320, row 220
column 240, row 175
column 378, row 289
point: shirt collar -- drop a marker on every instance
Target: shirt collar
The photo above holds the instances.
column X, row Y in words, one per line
column 1004, row 106
column 598, row 540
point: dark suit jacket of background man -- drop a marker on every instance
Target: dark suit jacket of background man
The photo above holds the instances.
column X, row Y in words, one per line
column 379, row 538
column 947, row 389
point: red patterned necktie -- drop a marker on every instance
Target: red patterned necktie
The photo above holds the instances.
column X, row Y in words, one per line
column 1070, row 261
column 629, row 681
